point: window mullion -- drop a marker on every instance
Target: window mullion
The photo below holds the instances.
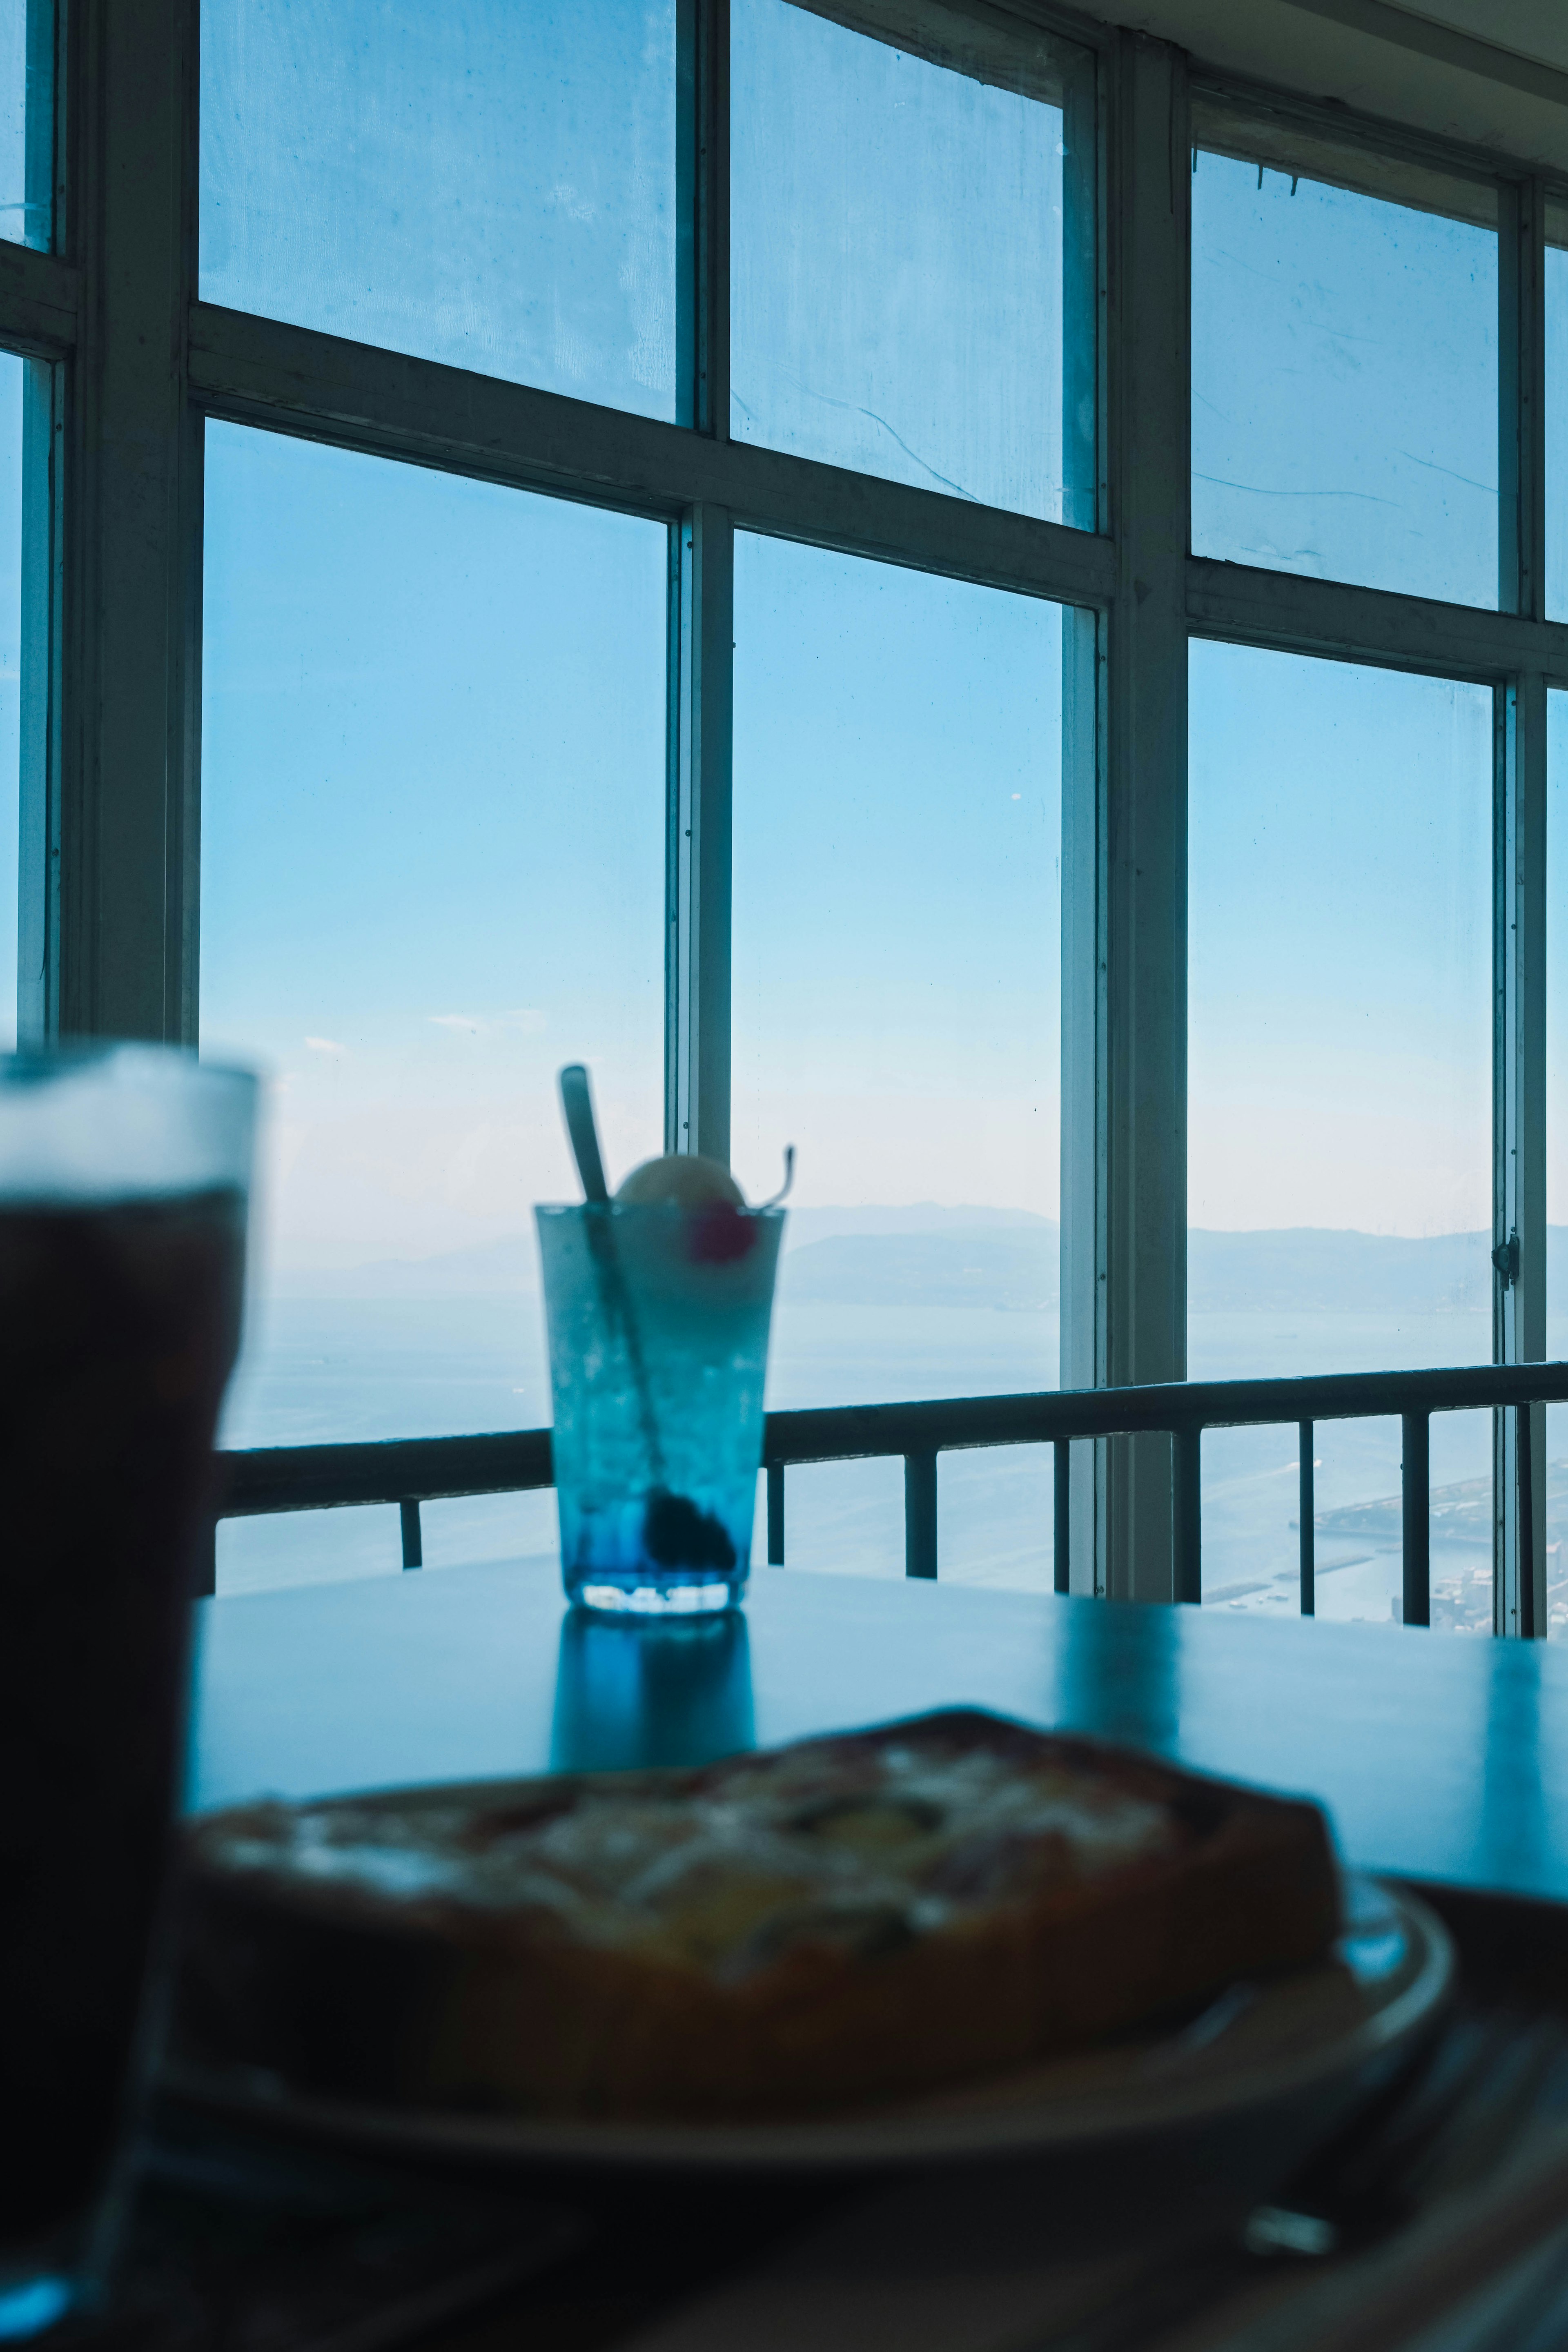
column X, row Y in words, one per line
column 1519, row 1320
column 44, row 414
column 702, row 215
column 1521, row 399
column 123, row 953
column 1139, row 1119
column 702, row 609
column 1519, row 1085
column 699, row 1051
column 712, row 254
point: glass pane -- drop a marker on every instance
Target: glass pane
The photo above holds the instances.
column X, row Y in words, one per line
column 901, row 233
column 1340, row 1076
column 1556, row 289
column 432, row 871
column 1557, row 1154
column 994, row 1524
column 311, row 1547
column 897, row 952
column 493, row 187
column 841, row 1518
column 12, row 376
column 1344, row 375
column 26, row 122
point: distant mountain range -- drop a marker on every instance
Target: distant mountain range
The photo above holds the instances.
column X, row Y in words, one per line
column 1347, row 1273
column 1293, row 1271
column 977, row 1265
column 511, row 1263
column 1007, row 1258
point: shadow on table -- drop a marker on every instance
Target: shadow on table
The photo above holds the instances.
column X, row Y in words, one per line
column 631, row 1695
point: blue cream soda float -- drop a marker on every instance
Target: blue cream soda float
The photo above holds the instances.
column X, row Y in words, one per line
column 658, row 1303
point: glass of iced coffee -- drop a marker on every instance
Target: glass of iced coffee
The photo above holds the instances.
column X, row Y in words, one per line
column 123, row 1180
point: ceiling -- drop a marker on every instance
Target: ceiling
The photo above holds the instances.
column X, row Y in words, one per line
column 1531, row 28
column 1492, row 72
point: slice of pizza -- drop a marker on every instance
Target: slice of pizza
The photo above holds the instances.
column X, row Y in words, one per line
column 824, row 1925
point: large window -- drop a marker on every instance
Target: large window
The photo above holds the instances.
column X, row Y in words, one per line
column 980, row 603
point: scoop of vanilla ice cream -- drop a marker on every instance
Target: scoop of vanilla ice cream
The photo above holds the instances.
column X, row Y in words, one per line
column 683, row 1179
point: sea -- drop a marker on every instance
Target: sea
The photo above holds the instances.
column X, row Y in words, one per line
column 323, row 1369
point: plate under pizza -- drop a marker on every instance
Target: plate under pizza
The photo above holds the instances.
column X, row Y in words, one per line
column 953, row 1936
column 1309, row 2041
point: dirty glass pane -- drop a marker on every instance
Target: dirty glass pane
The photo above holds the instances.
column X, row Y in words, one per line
column 26, row 122
column 1339, row 1107
column 432, row 871
column 912, row 254
column 13, row 373
column 1557, row 1154
column 1344, row 372
column 897, row 958
column 1557, row 412
column 476, row 182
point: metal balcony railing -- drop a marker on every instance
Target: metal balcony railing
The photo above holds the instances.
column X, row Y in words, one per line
column 412, row 1471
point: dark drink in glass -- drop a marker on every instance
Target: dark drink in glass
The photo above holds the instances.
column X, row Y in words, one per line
column 124, row 1177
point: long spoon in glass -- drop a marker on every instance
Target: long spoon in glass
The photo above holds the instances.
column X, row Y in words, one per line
column 582, row 1128
column 675, row 1532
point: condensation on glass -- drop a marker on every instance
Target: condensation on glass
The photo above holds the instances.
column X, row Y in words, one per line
column 489, row 185
column 1344, row 360
column 1556, row 291
column 432, row 871
column 896, row 1011
column 1339, row 1107
column 1557, row 1153
column 913, row 246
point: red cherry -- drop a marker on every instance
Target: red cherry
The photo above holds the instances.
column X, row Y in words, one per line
column 718, row 1233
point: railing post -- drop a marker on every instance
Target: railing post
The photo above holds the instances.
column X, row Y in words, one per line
column 1062, row 1533
column 775, row 1514
column 1415, row 1489
column 920, row 1514
column 413, row 1541
column 1309, row 1529
column 1186, row 1511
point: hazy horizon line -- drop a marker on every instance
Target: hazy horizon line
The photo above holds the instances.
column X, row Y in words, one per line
column 982, row 1215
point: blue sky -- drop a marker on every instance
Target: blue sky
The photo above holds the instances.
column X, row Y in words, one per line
column 1339, row 946
column 433, row 834
column 898, row 891
column 434, row 710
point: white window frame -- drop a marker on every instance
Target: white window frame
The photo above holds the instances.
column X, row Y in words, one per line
column 132, row 364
